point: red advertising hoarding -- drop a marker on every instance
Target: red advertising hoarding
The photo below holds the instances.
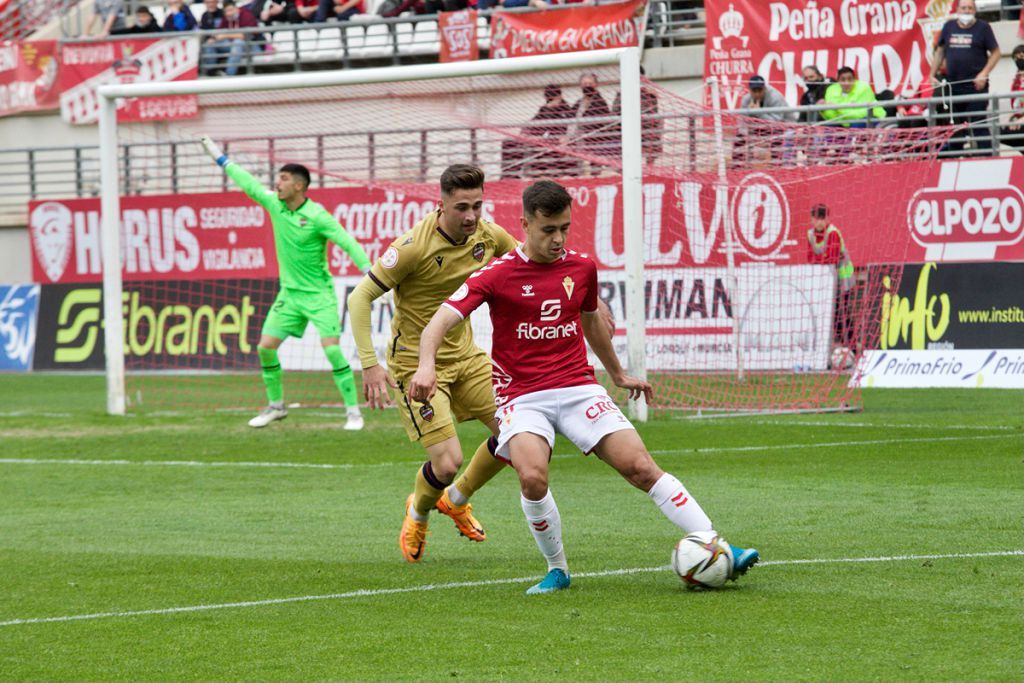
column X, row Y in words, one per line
column 86, row 66
column 568, row 30
column 886, row 43
column 960, row 210
column 28, row 76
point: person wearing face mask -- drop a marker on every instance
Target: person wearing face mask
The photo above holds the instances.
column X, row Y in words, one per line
column 815, row 83
column 969, row 48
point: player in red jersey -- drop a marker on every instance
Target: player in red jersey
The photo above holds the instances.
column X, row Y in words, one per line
column 543, row 303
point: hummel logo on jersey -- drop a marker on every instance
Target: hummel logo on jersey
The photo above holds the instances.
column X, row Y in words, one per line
column 550, row 309
column 527, row 290
column 568, row 285
column 439, row 259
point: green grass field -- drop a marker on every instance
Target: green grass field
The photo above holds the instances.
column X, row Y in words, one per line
column 178, row 548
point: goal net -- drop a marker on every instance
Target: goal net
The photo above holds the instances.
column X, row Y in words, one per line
column 717, row 297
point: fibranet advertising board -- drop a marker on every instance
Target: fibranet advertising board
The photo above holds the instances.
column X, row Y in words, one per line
column 950, row 325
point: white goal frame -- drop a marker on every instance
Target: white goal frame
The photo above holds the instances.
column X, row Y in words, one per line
column 627, row 60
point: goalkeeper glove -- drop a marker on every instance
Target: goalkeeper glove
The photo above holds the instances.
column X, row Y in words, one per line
column 214, row 151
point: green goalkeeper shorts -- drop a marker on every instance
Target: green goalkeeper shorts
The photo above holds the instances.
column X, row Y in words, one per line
column 293, row 310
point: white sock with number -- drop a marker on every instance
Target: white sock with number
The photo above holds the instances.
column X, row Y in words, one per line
column 546, row 527
column 672, row 498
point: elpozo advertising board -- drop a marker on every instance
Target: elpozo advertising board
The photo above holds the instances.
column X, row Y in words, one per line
column 950, row 325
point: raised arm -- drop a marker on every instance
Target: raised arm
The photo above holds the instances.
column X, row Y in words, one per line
column 245, row 180
column 423, row 385
column 595, row 330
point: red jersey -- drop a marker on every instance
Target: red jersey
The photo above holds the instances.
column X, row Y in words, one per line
column 535, row 311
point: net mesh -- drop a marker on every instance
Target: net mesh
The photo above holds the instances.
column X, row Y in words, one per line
column 776, row 331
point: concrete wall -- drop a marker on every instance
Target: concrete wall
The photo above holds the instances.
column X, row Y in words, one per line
column 679, row 70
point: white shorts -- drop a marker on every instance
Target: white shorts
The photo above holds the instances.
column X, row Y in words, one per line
column 583, row 414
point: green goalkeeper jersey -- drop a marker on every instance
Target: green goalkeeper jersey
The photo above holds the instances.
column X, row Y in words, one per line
column 300, row 236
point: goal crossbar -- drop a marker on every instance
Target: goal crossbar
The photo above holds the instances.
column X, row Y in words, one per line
column 627, row 60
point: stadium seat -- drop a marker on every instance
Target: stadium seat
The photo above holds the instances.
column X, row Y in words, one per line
column 404, row 38
column 355, row 39
column 282, row 51
column 483, row 34
column 378, row 41
column 426, row 39
column 307, row 40
column 329, row 47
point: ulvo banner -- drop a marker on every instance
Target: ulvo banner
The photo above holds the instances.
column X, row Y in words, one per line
column 885, row 42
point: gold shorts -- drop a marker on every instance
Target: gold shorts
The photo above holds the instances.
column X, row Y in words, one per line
column 463, row 390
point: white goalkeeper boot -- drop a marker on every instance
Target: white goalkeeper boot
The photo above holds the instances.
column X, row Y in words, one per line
column 268, row 415
column 355, row 420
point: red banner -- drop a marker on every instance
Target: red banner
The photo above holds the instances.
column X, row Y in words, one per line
column 86, row 66
column 458, row 36
column 28, row 76
column 958, row 211
column 886, row 42
column 568, row 30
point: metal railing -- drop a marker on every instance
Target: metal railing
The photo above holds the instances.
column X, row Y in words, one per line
column 20, row 18
column 419, row 154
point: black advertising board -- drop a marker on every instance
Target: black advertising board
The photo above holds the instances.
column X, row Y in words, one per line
column 949, row 306
column 172, row 325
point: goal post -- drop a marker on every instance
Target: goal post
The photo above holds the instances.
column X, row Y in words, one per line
column 625, row 60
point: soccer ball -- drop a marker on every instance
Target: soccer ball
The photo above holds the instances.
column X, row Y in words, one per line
column 702, row 560
column 842, row 358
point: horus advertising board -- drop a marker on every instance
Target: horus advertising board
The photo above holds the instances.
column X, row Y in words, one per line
column 950, row 211
column 207, row 325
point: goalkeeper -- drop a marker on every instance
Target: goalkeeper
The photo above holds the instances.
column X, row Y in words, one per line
column 301, row 230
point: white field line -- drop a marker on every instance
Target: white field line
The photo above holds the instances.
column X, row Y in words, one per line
column 883, row 425
column 375, row 592
column 403, row 463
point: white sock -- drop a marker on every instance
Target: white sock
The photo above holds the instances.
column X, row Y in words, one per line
column 676, row 503
column 457, row 497
column 546, row 526
column 416, row 515
column 353, row 411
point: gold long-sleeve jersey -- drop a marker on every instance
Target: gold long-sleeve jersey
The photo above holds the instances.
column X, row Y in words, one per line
column 424, row 267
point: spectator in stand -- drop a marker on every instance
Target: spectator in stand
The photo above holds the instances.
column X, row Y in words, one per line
column 303, row 11
column 815, row 84
column 342, row 10
column 234, row 44
column 1012, row 133
column 848, row 90
column 396, row 7
column 970, row 51
column 212, row 16
column 594, row 137
column 110, row 16
column 144, row 23
column 756, row 142
column 652, row 125
column 179, row 17
column 274, row 11
column 825, row 245
column 520, row 159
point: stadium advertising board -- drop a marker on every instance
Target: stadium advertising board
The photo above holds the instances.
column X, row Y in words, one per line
column 950, row 325
column 458, row 36
column 962, row 210
column 568, row 30
column 198, row 325
column 885, row 42
column 86, row 66
column 28, row 76
column 19, row 306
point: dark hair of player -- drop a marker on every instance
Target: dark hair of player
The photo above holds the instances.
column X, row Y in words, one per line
column 845, row 70
column 545, row 196
column 461, row 177
column 819, row 211
column 297, row 170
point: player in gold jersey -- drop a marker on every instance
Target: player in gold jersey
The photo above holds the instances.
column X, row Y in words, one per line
column 424, row 267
